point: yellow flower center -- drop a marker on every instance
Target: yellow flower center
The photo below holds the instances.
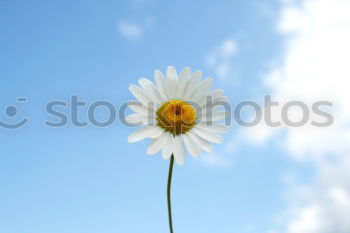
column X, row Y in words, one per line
column 176, row 117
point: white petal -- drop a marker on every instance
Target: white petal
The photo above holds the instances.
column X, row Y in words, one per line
column 150, row 89
column 192, row 84
column 179, row 150
column 212, row 106
column 214, row 127
column 201, row 143
column 211, row 96
column 207, row 135
column 139, row 94
column 184, row 76
column 216, row 93
column 191, row 146
column 171, row 81
column 144, row 114
column 146, row 132
column 168, row 146
column 156, row 145
column 139, row 108
column 216, row 116
column 135, row 118
column 160, row 81
column 202, row 89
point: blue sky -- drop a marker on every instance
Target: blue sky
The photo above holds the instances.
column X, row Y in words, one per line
column 90, row 179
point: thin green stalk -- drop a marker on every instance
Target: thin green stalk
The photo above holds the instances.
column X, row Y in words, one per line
column 169, row 193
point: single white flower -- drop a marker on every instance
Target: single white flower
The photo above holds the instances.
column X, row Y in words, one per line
column 178, row 112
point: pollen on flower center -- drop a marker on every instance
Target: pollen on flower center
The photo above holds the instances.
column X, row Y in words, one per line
column 176, row 117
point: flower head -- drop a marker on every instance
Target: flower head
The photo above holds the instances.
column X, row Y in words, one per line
column 178, row 112
column 176, row 117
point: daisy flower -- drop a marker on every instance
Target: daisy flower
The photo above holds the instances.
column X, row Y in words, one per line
column 179, row 112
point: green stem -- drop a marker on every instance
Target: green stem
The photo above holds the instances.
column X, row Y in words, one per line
column 169, row 193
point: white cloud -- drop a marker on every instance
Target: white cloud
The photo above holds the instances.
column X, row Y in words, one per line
column 130, row 30
column 220, row 58
column 215, row 160
column 324, row 206
column 133, row 28
column 315, row 66
column 134, row 31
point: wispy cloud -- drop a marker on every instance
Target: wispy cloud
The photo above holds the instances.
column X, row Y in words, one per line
column 130, row 30
column 215, row 160
column 220, row 59
column 315, row 67
column 139, row 21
